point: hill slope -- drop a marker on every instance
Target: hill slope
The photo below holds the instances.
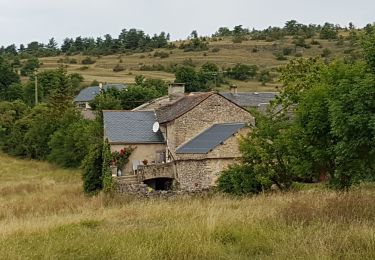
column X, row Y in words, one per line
column 222, row 52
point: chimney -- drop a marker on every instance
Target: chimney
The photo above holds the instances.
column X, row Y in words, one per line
column 101, row 86
column 233, row 89
column 176, row 90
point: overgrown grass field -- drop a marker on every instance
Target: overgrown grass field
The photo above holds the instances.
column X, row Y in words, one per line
column 44, row 215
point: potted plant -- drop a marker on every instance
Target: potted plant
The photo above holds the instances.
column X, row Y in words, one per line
column 145, row 162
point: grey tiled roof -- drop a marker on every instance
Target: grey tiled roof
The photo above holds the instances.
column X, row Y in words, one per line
column 131, row 127
column 89, row 93
column 172, row 111
column 250, row 99
column 210, row 138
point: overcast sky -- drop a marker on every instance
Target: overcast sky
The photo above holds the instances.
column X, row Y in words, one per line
column 23, row 21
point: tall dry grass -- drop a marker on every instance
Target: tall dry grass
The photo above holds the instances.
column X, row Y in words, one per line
column 44, row 215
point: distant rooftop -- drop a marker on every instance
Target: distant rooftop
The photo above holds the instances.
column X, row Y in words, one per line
column 210, row 138
column 250, row 99
column 131, row 127
column 88, row 94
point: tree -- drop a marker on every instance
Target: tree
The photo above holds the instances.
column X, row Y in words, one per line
column 30, row 66
column 7, row 77
column 92, row 170
column 243, row 71
column 69, row 145
column 368, row 45
column 328, row 31
column 189, row 76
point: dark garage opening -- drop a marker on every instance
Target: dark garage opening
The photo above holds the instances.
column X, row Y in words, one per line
column 160, row 183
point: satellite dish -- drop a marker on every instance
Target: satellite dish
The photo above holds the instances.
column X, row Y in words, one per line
column 155, row 127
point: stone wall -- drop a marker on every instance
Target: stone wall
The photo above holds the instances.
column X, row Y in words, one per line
column 164, row 170
column 140, row 153
column 214, row 110
column 193, row 175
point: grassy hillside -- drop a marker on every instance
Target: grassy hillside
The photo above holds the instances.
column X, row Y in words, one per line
column 44, row 215
column 223, row 52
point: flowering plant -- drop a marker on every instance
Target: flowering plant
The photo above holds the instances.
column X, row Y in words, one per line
column 121, row 158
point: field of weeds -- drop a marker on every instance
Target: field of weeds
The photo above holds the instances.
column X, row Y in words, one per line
column 45, row 215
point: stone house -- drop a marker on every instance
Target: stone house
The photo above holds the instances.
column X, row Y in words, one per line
column 86, row 95
column 185, row 143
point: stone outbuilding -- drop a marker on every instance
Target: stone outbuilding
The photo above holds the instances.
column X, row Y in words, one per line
column 184, row 144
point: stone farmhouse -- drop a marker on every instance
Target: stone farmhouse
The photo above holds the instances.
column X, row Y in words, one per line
column 184, row 143
column 86, row 95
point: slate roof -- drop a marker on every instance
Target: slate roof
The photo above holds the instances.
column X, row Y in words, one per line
column 172, row 111
column 131, row 127
column 89, row 93
column 250, row 99
column 210, row 138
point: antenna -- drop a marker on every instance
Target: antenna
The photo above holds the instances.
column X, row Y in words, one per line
column 155, row 127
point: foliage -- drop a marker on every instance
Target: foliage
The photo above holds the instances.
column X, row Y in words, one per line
column 240, row 179
column 328, row 31
column 88, row 60
column 92, row 169
column 120, row 159
column 7, row 78
column 30, row 66
column 195, row 44
column 69, row 145
column 242, row 71
column 108, row 183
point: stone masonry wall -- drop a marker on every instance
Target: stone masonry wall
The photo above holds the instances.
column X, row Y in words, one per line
column 215, row 109
column 193, row 175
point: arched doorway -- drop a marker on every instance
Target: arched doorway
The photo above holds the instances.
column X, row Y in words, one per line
column 159, row 183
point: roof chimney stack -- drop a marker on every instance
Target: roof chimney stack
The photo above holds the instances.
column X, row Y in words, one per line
column 176, row 90
column 233, row 89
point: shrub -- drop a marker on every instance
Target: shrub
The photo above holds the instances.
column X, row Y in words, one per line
column 326, row 52
column 254, row 49
column 216, row 49
column 188, row 62
column 243, row 71
column 287, row 51
column 279, row 56
column 84, row 68
column 92, row 170
column 73, row 61
column 88, row 60
column 240, row 179
column 264, row 77
column 161, row 55
column 118, row 68
column 314, row 42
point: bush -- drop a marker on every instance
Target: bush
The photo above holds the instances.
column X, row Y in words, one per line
column 118, row 68
column 216, row 49
column 161, row 55
column 88, row 61
column 287, row 51
column 240, row 179
column 73, row 61
column 279, row 56
column 264, row 77
column 188, row 62
column 243, row 71
column 84, row 68
column 298, row 54
column 92, row 170
column 314, row 42
column 326, row 53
